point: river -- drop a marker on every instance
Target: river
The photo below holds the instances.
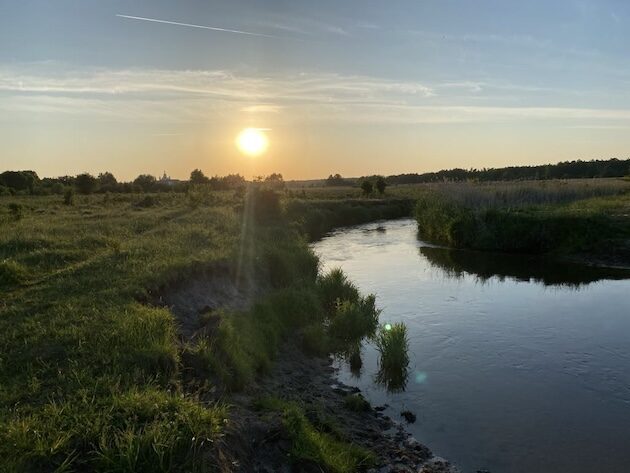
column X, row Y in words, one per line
column 518, row 364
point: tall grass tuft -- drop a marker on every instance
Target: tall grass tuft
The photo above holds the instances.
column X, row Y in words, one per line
column 353, row 321
column 393, row 347
column 335, row 288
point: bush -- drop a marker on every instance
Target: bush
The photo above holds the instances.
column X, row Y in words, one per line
column 68, row 196
column 265, row 205
column 200, row 194
column 380, row 185
column 367, row 188
column 146, row 202
column 85, row 183
column 16, row 211
column 11, row 273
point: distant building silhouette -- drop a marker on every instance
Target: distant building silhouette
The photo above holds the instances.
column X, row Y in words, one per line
column 167, row 180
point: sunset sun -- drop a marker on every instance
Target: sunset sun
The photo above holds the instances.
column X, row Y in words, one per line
column 252, row 141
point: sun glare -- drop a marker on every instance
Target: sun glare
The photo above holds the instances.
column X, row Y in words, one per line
column 252, row 141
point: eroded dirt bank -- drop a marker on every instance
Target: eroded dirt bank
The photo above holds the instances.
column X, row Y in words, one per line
column 257, row 440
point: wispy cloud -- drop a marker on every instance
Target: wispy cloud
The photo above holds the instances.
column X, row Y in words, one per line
column 262, row 108
column 190, row 96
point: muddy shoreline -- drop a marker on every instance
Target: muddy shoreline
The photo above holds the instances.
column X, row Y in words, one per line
column 312, row 382
column 256, row 441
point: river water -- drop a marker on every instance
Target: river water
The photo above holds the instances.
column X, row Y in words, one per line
column 518, row 364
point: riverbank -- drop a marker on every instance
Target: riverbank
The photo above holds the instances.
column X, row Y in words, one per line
column 593, row 230
column 103, row 376
column 339, row 431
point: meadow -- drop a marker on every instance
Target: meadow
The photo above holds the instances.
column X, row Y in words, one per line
column 93, row 372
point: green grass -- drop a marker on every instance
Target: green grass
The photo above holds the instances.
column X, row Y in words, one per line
column 356, row 403
column 94, row 379
column 393, row 347
column 581, row 225
column 312, row 445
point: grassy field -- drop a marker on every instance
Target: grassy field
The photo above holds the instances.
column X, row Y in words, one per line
column 560, row 216
column 91, row 375
column 94, row 375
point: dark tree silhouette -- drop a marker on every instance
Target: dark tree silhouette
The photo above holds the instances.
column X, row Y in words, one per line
column 380, row 185
column 198, row 177
column 336, row 180
column 19, row 180
column 107, row 182
column 563, row 170
column 146, row 182
column 85, row 183
column 367, row 187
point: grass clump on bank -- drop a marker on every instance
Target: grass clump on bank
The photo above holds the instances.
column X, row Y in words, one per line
column 393, row 346
column 356, row 403
column 312, row 445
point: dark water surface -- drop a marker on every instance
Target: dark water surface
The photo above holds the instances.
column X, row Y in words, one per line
column 518, row 364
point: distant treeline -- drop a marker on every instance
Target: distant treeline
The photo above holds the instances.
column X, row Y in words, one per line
column 564, row 170
column 28, row 182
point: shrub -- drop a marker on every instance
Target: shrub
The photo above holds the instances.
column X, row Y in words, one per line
column 265, row 204
column 199, row 194
column 11, row 273
column 367, row 188
column 85, row 183
column 146, row 202
column 68, row 196
column 380, row 185
column 16, row 211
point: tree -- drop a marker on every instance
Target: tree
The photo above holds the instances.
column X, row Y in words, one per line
column 367, row 187
column 198, row 177
column 19, row 180
column 85, row 183
column 336, row 180
column 107, row 182
column 275, row 181
column 380, row 185
column 146, row 182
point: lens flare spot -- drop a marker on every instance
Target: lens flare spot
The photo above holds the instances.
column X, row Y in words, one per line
column 388, row 327
column 420, row 377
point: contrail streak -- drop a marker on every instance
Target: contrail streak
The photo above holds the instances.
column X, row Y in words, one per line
column 190, row 25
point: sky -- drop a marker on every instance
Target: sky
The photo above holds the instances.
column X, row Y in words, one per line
column 355, row 87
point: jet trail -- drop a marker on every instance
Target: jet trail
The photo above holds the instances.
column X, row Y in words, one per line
column 190, row 25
